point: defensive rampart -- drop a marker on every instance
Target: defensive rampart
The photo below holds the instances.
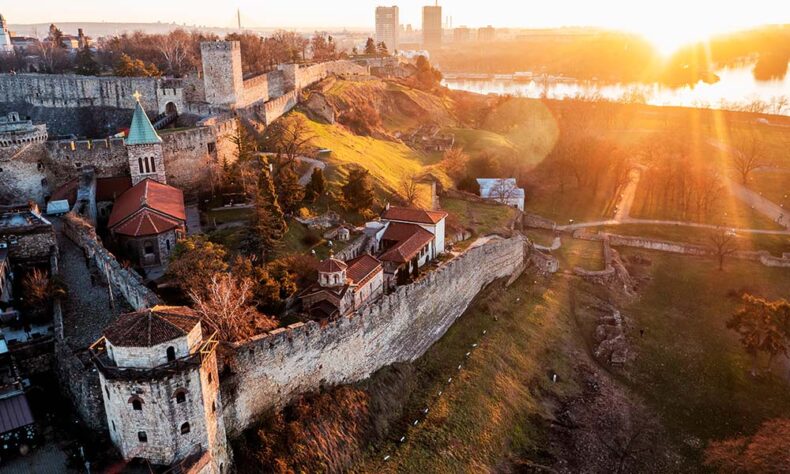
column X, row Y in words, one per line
column 272, row 368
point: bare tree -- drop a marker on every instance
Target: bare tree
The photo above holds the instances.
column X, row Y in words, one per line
column 503, row 191
column 409, row 188
column 749, row 153
column 722, row 243
column 175, row 50
column 290, row 137
column 225, row 304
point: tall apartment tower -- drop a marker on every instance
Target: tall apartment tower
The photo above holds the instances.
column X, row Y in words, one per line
column 432, row 26
column 160, row 387
column 388, row 27
column 223, row 79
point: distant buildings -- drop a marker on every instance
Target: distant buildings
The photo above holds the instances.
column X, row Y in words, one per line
column 388, row 27
column 487, row 33
column 5, row 37
column 462, row 34
column 432, row 26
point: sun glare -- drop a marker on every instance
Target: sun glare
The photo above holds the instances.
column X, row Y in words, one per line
column 672, row 34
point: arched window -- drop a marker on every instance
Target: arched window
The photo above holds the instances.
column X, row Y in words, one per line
column 185, row 428
column 140, row 164
column 171, row 354
column 167, row 244
column 142, row 437
column 181, row 395
column 147, row 166
column 337, row 279
column 153, row 164
column 149, row 247
column 137, row 403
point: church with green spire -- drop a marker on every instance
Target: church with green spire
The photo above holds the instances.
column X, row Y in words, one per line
column 144, row 148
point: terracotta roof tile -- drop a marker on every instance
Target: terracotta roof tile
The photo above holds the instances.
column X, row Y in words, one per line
column 409, row 238
column 362, row 267
column 422, row 216
column 110, row 189
column 148, row 194
column 146, row 222
column 152, row 326
column 332, row 265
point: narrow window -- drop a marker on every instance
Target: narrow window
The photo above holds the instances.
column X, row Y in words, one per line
column 153, row 164
column 113, row 425
column 181, row 396
column 107, row 389
column 137, row 405
column 140, row 164
column 167, row 244
column 210, row 377
column 185, row 428
column 142, row 437
column 213, row 407
column 171, row 354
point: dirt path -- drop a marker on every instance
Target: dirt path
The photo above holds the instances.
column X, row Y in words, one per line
column 305, row 178
column 628, row 195
column 611, row 222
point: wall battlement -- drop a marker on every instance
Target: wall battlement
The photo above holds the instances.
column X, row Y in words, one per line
column 270, row 370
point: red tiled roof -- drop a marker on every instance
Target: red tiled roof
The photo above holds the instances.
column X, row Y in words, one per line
column 362, row 267
column 146, row 222
column 109, row 189
column 331, row 265
column 410, row 239
column 152, row 326
column 152, row 195
column 422, row 216
column 14, row 413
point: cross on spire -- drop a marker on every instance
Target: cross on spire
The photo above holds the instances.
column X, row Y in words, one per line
column 137, row 95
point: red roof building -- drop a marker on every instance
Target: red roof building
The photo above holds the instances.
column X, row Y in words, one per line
column 343, row 286
column 419, row 216
column 147, row 220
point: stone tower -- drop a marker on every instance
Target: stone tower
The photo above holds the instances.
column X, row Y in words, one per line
column 144, row 148
column 160, row 387
column 222, row 74
column 5, row 37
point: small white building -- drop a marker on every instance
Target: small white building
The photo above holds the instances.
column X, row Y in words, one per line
column 502, row 190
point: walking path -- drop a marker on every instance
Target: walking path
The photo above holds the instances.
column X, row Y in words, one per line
column 305, row 178
column 193, row 220
column 628, row 195
column 583, row 225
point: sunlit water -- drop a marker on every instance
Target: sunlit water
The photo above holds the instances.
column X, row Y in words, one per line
column 737, row 89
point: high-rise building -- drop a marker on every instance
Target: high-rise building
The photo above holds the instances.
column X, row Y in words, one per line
column 388, row 27
column 432, row 26
column 486, row 34
column 5, row 37
column 462, row 34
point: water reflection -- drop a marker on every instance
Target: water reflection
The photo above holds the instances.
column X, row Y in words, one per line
column 737, row 89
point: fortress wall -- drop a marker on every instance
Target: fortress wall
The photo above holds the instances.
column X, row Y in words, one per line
column 192, row 156
column 72, row 91
column 65, row 157
column 273, row 368
column 255, row 89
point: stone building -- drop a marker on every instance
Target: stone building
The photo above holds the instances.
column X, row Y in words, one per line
column 16, row 132
column 28, row 236
column 5, row 37
column 343, row 287
column 146, row 222
column 144, row 148
column 222, row 74
column 160, row 388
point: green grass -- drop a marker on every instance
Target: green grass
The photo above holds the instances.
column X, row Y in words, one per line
column 689, row 366
column 580, row 253
column 773, row 185
column 294, row 242
column 481, row 414
column 574, row 203
column 223, row 216
column 483, row 218
column 776, row 244
column 389, row 162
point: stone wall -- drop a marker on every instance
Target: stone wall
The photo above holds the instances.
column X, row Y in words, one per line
column 65, row 158
column 73, row 91
column 124, row 280
column 273, row 368
column 193, row 156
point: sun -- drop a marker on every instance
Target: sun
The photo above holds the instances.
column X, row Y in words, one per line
column 670, row 32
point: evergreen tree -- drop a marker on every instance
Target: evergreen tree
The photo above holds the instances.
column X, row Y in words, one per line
column 269, row 226
column 85, row 64
column 289, row 191
column 370, row 47
column 383, row 49
column 317, row 185
column 55, row 36
column 358, row 190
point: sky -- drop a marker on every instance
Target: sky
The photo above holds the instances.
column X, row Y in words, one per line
column 686, row 19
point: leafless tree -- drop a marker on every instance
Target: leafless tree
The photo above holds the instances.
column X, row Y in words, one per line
column 225, row 305
column 722, row 243
column 175, row 50
column 503, row 191
column 290, row 137
column 409, row 188
column 749, row 153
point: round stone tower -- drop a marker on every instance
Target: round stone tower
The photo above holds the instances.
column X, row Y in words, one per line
column 159, row 382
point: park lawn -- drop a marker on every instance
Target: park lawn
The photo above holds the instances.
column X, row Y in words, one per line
column 776, row 244
column 586, row 254
column 482, row 415
column 689, row 367
column 573, row 203
column 773, row 185
column 475, row 142
column 482, row 217
column 389, row 163
column 217, row 217
column 730, row 212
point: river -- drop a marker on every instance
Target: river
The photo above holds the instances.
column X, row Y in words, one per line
column 737, row 89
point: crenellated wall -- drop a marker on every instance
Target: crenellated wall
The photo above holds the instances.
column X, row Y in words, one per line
column 273, row 368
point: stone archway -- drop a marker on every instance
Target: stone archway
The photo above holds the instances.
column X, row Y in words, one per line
column 171, row 108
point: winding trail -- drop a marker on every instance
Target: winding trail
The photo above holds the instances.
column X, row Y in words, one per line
column 305, row 178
